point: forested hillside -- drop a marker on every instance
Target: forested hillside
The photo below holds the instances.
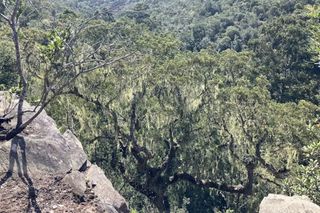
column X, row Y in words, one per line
column 189, row 106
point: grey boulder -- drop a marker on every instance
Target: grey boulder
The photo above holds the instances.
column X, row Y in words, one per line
column 42, row 150
column 275, row 203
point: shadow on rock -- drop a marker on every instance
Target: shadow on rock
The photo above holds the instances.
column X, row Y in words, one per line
column 22, row 168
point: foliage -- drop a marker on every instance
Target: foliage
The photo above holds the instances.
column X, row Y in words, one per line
column 8, row 76
column 217, row 105
column 289, row 67
column 306, row 180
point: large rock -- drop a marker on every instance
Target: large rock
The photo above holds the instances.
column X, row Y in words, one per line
column 275, row 203
column 102, row 187
column 42, row 150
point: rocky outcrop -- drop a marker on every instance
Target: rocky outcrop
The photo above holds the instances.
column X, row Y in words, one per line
column 41, row 150
column 95, row 181
column 284, row 204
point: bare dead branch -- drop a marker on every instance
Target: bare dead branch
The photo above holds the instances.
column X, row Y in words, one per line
column 5, row 18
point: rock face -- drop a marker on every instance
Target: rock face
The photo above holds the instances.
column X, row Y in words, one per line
column 283, row 204
column 41, row 150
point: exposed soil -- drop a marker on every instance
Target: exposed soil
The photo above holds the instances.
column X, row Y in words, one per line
column 47, row 194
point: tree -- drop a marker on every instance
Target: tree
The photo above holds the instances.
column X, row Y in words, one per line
column 169, row 125
column 64, row 57
column 7, row 65
column 305, row 181
column 288, row 66
column 195, row 119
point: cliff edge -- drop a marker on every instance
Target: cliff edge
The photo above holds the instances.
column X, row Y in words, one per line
column 42, row 170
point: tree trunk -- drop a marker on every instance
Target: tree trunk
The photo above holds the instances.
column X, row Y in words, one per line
column 162, row 203
column 23, row 81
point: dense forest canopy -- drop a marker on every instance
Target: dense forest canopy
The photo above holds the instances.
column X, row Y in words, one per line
column 189, row 106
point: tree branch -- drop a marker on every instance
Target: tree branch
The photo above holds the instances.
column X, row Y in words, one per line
column 5, row 18
column 239, row 189
column 172, row 147
column 268, row 166
column 14, row 16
